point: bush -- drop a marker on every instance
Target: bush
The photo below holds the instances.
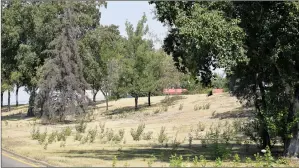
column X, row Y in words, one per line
column 42, row 137
column 84, row 140
column 202, row 161
column 52, row 137
column 61, row 136
column 109, row 134
column 92, row 133
column 195, row 161
column 78, row 136
column 151, row 161
column 176, row 161
column 237, row 160
column 81, row 127
column 102, row 127
column 162, row 137
column 221, row 151
column 181, row 107
column 118, row 137
column 67, row 131
column 136, row 134
column 147, row 136
column 114, row 161
column 218, row 162
column 35, row 133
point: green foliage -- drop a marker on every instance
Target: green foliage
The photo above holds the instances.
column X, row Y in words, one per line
column 148, row 135
column 78, row 137
column 236, row 160
column 42, row 137
column 202, row 161
column 81, row 126
column 176, row 161
column 137, row 133
column 52, row 137
column 92, row 133
column 114, row 161
column 151, row 161
column 35, row 134
column 67, row 131
column 61, row 136
column 162, row 136
column 268, row 157
column 218, row 162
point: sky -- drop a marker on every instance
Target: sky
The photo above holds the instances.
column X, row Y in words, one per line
column 118, row 12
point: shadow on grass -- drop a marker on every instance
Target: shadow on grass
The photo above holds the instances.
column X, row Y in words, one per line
column 15, row 117
column 168, row 101
column 236, row 113
column 160, row 153
column 13, row 107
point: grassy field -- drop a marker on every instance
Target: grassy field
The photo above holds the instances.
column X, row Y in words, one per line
column 180, row 115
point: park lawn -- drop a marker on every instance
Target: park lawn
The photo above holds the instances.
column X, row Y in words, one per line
column 179, row 118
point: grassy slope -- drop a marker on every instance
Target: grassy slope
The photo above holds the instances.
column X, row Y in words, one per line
column 16, row 134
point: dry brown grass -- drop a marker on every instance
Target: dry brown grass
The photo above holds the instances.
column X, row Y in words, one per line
column 136, row 153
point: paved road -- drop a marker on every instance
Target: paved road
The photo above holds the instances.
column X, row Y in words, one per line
column 11, row 161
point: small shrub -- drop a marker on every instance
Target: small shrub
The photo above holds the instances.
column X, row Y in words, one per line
column 67, row 131
column 162, row 136
column 283, row 161
column 136, row 134
column 84, row 140
column 202, row 161
column 148, row 135
column 102, row 127
column 78, row 136
column 190, row 139
column 268, row 157
column 35, row 133
column 61, row 136
column 151, row 161
column 157, row 111
column 176, row 161
column 81, row 127
column 46, row 146
column 195, row 161
column 181, row 107
column 214, row 114
column 62, row 144
column 206, row 106
column 175, row 143
column 248, row 161
column 52, row 137
column 92, row 133
column 114, row 161
column 218, row 162
column 221, row 151
column 258, row 159
column 118, row 137
column 236, row 160
column 109, row 134
column 42, row 137
column 165, row 108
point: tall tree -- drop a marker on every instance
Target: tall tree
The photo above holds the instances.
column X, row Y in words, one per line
column 135, row 60
column 102, row 48
column 62, row 83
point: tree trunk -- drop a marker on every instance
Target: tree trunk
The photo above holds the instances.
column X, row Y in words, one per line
column 291, row 146
column 265, row 133
column 8, row 101
column 94, row 95
column 136, row 102
column 30, row 112
column 17, row 95
column 2, row 99
column 106, row 103
column 149, row 98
